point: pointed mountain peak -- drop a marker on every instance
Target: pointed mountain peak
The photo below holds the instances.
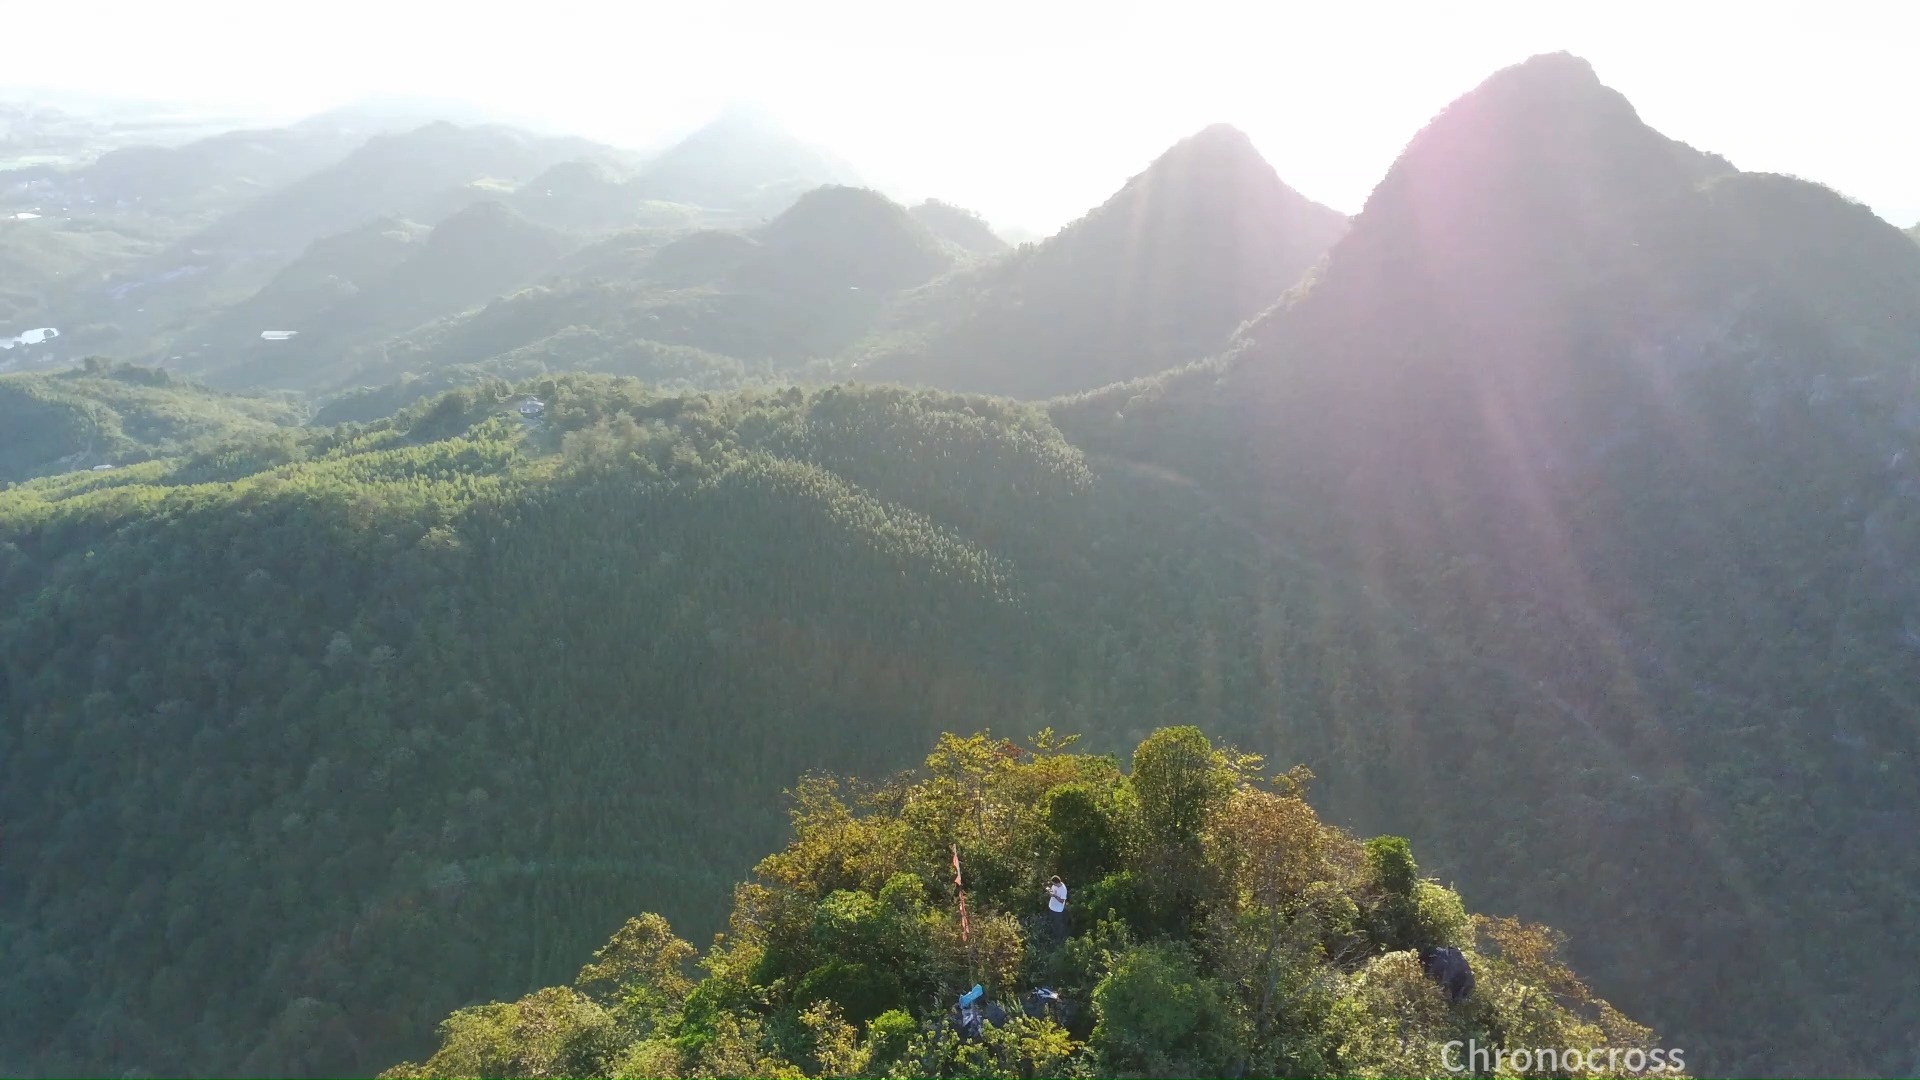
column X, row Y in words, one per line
column 958, row 226
column 1547, row 123
column 1555, row 68
column 1221, row 136
column 853, row 236
column 1159, row 274
column 1214, row 146
column 1205, row 190
column 1539, row 177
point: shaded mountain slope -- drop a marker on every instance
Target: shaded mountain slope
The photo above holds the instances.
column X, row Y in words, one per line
column 406, row 276
column 1643, row 428
column 331, row 270
column 837, row 238
column 962, row 228
column 1160, row 274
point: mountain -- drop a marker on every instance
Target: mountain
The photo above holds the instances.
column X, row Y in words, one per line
column 1580, row 398
column 386, row 114
column 962, row 228
column 589, row 197
column 116, row 230
column 332, row 270
column 105, row 414
column 155, row 305
column 845, row 953
column 208, row 176
column 802, row 287
column 403, row 282
column 388, row 175
column 836, row 238
column 1915, row 233
column 43, row 261
column 741, row 160
column 1159, row 274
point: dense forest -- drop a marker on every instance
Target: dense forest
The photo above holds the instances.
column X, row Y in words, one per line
column 1220, row 929
column 1559, row 511
column 322, row 677
column 102, row 414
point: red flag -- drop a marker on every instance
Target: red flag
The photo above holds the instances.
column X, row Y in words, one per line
column 963, row 893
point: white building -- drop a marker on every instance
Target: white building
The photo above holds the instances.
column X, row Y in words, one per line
column 31, row 337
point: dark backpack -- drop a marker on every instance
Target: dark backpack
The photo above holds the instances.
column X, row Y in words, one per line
column 1448, row 967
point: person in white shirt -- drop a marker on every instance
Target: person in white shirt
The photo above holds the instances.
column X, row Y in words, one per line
column 1057, row 907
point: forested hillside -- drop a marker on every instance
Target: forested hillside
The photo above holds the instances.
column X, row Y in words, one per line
column 1161, row 274
column 1219, row 929
column 431, row 709
column 103, row 414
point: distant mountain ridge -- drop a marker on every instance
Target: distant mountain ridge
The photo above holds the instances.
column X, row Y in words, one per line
column 962, row 228
column 740, row 160
column 802, row 287
column 386, row 175
column 406, row 276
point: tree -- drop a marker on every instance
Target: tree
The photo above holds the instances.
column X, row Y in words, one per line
column 1180, row 781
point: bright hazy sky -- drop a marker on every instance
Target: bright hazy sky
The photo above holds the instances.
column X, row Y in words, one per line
column 1032, row 111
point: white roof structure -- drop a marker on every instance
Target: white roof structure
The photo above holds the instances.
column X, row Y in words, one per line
column 30, row 337
column 277, row 335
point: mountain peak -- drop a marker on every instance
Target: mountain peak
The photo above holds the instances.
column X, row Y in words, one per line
column 855, row 237
column 961, row 227
column 742, row 159
column 1562, row 67
column 1159, row 274
column 1216, row 145
column 1223, row 135
column 1537, row 179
